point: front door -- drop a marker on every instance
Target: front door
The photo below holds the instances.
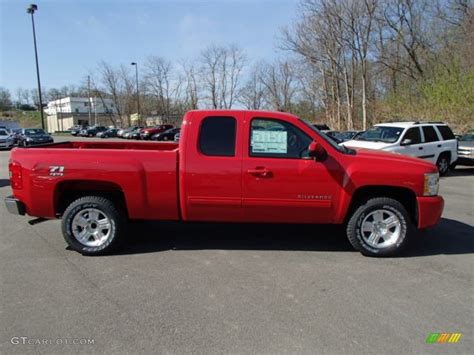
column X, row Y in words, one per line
column 280, row 182
column 411, row 143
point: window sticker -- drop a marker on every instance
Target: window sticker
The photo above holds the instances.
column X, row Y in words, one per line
column 272, row 142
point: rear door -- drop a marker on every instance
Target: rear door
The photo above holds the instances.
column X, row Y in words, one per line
column 280, row 183
column 432, row 144
column 211, row 180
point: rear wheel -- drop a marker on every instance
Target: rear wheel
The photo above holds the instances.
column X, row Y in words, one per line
column 443, row 164
column 92, row 225
column 379, row 227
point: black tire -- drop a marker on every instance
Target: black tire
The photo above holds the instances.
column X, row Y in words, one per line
column 108, row 209
column 354, row 227
column 443, row 164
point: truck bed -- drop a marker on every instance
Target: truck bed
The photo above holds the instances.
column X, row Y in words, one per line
column 145, row 173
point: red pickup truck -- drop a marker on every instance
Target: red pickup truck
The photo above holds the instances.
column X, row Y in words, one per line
column 229, row 166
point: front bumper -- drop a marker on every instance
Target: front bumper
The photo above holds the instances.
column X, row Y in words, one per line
column 15, row 206
column 429, row 210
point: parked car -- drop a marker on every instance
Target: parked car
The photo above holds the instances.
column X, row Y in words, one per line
column 322, row 127
column 431, row 141
column 167, row 135
column 149, row 132
column 33, row 136
column 227, row 171
column 124, row 131
column 348, row 135
column 466, row 150
column 109, row 133
column 6, row 139
column 177, row 136
column 92, row 131
column 133, row 133
column 15, row 133
column 75, row 130
column 333, row 135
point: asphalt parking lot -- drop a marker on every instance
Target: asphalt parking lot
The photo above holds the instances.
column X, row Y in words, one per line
column 210, row 288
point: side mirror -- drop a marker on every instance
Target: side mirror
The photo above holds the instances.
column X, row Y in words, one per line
column 317, row 152
column 406, row 142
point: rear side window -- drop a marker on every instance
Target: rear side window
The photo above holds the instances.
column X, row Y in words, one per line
column 430, row 134
column 217, row 136
column 446, row 132
column 414, row 135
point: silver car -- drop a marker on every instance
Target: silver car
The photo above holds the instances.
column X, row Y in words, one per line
column 6, row 139
column 466, row 149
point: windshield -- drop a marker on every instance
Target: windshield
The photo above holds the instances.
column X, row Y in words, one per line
column 468, row 137
column 381, row 134
column 33, row 132
column 339, row 148
column 3, row 132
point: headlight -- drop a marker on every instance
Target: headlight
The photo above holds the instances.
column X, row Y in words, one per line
column 28, row 139
column 431, row 186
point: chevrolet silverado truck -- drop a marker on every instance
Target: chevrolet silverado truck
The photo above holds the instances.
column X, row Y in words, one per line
column 229, row 166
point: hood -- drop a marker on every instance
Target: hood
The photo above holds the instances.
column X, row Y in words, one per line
column 366, row 144
column 466, row 144
column 386, row 157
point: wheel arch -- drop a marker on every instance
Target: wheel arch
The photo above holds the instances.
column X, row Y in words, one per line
column 68, row 191
column 405, row 196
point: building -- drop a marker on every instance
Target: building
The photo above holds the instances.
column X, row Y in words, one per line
column 70, row 111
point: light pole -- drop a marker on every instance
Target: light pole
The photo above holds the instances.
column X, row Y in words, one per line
column 138, row 94
column 31, row 10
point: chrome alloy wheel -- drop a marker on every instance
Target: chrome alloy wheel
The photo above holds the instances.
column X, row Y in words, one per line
column 91, row 227
column 381, row 228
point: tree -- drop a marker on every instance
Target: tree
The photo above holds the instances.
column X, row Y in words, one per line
column 158, row 83
column 221, row 68
column 279, row 81
column 5, row 99
column 252, row 94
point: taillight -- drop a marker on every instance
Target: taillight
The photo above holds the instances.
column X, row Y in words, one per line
column 16, row 176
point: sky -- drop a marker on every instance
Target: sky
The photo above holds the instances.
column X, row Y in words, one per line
column 74, row 35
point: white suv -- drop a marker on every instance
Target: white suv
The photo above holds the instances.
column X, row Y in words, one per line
column 432, row 141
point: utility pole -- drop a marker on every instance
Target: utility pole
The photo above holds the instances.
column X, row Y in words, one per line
column 31, row 10
column 138, row 94
column 89, row 96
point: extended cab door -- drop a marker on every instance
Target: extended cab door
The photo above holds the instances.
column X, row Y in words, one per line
column 280, row 182
column 211, row 168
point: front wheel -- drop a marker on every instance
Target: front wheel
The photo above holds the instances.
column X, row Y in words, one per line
column 92, row 225
column 379, row 227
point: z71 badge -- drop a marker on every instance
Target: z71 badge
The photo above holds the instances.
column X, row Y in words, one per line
column 56, row 170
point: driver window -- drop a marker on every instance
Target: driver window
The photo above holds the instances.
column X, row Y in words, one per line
column 277, row 139
column 414, row 135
